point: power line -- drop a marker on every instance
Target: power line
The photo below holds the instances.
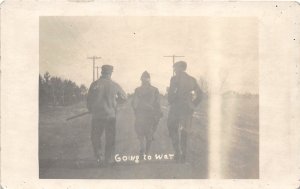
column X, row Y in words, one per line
column 94, row 58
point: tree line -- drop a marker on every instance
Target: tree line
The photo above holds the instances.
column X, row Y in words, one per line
column 56, row 91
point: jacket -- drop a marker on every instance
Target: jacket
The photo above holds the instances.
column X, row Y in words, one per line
column 184, row 94
column 103, row 96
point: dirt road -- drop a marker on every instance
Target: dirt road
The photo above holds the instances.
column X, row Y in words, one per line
column 65, row 149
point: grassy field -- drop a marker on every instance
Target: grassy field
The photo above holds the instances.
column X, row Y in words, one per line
column 65, row 149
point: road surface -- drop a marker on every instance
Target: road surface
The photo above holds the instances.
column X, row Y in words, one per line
column 65, row 149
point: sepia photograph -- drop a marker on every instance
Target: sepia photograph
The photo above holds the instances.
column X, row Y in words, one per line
column 148, row 97
column 151, row 94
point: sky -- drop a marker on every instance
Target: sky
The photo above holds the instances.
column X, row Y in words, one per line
column 225, row 48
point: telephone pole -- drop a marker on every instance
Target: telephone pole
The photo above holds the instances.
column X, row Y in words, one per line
column 173, row 57
column 94, row 58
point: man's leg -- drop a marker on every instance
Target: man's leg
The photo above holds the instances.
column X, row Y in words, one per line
column 183, row 144
column 110, row 137
column 142, row 146
column 96, row 133
column 148, row 143
column 149, row 135
column 173, row 126
column 139, row 133
column 187, row 123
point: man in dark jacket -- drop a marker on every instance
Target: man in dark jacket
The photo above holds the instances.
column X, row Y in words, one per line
column 102, row 101
column 184, row 95
column 146, row 106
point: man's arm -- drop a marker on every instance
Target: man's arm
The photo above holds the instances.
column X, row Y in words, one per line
column 90, row 97
column 157, row 101
column 134, row 101
column 172, row 91
column 198, row 94
column 157, row 107
column 121, row 95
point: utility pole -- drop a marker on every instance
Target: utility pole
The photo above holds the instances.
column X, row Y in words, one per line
column 173, row 57
column 97, row 68
column 94, row 58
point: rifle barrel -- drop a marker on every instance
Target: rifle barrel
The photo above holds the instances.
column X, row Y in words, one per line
column 76, row 116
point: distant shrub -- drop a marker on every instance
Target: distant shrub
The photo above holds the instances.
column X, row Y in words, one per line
column 57, row 91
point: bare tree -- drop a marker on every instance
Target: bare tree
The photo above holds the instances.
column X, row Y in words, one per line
column 57, row 91
column 211, row 88
column 203, row 84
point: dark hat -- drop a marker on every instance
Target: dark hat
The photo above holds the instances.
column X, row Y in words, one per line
column 180, row 64
column 145, row 74
column 107, row 69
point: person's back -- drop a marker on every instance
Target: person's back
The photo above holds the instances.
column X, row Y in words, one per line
column 184, row 95
column 102, row 103
column 102, row 99
column 146, row 99
column 146, row 106
column 182, row 91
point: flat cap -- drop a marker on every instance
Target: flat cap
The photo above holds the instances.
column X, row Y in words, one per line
column 180, row 64
column 107, row 68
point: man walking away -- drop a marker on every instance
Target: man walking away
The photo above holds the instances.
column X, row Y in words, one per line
column 184, row 95
column 102, row 101
column 146, row 106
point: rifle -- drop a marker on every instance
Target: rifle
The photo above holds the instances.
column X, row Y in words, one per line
column 78, row 115
column 82, row 114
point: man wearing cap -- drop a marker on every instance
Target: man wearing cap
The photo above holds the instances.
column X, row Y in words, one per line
column 146, row 106
column 184, row 95
column 102, row 99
